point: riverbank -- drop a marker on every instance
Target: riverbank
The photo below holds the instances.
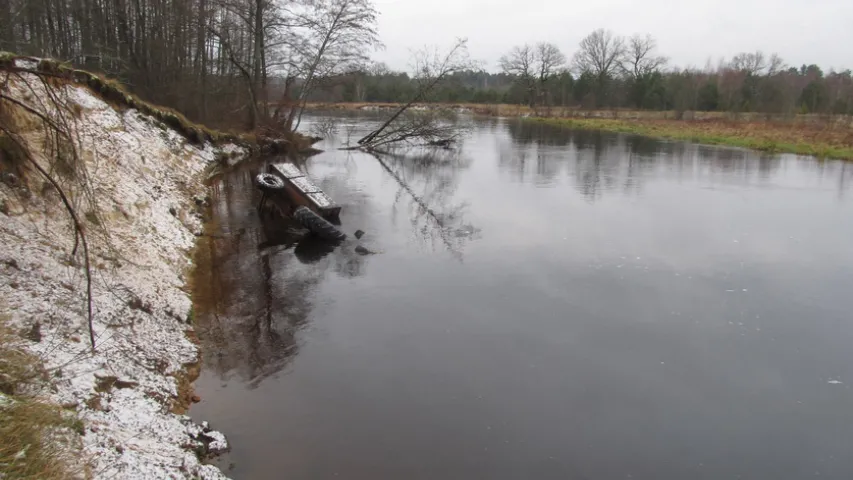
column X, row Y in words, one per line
column 762, row 136
column 137, row 186
column 823, row 137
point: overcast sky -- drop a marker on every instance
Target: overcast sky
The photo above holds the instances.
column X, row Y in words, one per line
column 689, row 32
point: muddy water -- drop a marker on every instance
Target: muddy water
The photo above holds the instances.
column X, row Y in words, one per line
column 544, row 304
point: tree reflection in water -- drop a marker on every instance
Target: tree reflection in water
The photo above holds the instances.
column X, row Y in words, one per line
column 427, row 181
column 596, row 161
column 254, row 283
column 255, row 280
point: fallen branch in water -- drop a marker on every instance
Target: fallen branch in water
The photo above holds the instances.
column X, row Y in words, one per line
column 416, row 130
column 432, row 68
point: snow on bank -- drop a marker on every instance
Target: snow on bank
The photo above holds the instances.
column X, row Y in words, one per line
column 147, row 182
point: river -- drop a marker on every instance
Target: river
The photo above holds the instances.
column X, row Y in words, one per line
column 542, row 303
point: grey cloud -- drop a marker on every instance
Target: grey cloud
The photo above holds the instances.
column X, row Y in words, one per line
column 690, row 33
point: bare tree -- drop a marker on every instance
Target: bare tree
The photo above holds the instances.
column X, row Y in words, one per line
column 601, row 53
column 548, row 60
column 775, row 65
column 520, row 63
column 749, row 63
column 640, row 56
column 533, row 66
column 337, row 37
column 220, row 32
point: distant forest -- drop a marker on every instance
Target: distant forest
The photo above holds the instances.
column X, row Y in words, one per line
column 236, row 62
column 804, row 89
column 614, row 72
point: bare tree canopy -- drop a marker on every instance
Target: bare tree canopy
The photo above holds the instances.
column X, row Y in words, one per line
column 548, row 59
column 533, row 66
column 775, row 65
column 756, row 63
column 519, row 61
column 432, row 65
column 333, row 37
column 750, row 63
column 601, row 53
column 641, row 57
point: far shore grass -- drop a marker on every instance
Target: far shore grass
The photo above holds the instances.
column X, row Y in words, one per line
column 763, row 136
column 819, row 136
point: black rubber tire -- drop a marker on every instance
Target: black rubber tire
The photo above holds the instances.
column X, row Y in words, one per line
column 318, row 225
column 268, row 182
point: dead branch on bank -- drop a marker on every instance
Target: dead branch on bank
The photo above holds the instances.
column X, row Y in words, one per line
column 61, row 154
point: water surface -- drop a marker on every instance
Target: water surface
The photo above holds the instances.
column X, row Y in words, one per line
column 544, row 304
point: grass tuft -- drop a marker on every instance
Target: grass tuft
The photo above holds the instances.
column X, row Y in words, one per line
column 7, row 59
column 35, row 435
column 31, row 447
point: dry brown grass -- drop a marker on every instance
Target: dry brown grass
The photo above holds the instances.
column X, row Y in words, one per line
column 823, row 141
column 513, row 110
column 35, row 436
column 32, row 446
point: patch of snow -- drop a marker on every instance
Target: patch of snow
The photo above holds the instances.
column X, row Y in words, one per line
column 125, row 390
column 85, row 99
column 27, row 63
column 218, row 443
column 834, row 382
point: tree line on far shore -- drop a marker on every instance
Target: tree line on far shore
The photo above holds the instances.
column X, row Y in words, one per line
column 609, row 71
column 254, row 64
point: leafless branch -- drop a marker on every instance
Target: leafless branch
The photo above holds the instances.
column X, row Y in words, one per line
column 640, row 58
column 52, row 126
column 431, row 68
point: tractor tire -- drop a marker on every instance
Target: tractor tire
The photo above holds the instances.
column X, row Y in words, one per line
column 318, row 225
column 269, row 183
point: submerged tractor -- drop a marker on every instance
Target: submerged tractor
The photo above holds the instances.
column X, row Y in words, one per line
column 292, row 194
